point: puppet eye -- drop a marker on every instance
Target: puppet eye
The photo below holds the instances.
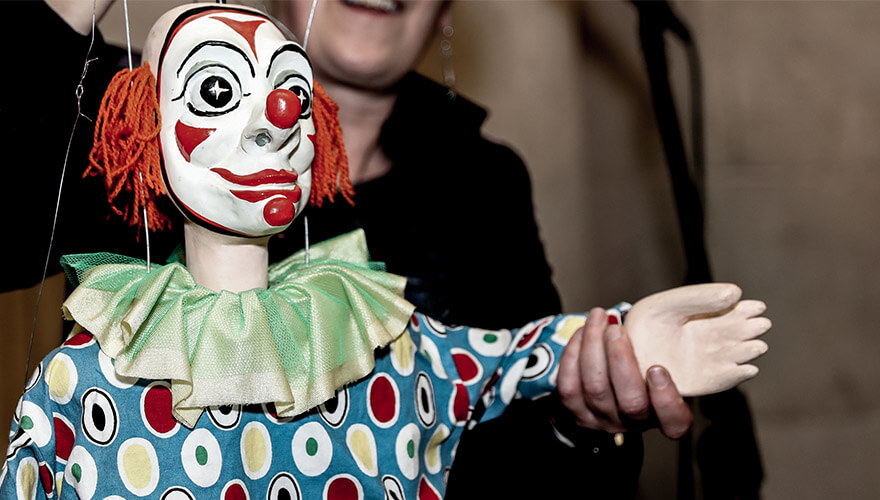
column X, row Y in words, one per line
column 299, row 86
column 212, row 91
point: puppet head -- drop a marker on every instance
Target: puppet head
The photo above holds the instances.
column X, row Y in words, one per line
column 237, row 135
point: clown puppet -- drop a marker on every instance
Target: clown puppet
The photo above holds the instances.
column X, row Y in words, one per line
column 312, row 378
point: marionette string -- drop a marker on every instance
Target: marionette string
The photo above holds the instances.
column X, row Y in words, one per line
column 309, row 25
column 78, row 93
column 140, row 174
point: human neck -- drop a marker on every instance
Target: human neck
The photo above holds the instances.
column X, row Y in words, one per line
column 361, row 115
column 222, row 262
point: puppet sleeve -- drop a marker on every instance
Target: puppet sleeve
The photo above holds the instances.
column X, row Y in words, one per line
column 491, row 368
column 31, row 463
column 41, row 456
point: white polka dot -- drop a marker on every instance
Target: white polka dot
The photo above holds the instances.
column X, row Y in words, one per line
column 312, row 449
column 429, row 350
column 407, row 450
column 510, row 382
column 201, row 458
column 36, row 423
column 110, row 374
column 490, row 343
column 81, row 473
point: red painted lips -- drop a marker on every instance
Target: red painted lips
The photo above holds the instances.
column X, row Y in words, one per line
column 266, row 176
column 278, row 212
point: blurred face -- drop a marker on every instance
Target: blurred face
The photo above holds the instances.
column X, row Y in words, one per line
column 235, row 98
column 368, row 44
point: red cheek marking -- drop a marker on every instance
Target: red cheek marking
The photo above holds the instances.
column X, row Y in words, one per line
column 279, row 212
column 282, row 108
column 190, row 137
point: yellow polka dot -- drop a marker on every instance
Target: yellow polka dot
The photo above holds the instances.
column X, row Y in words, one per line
column 403, row 348
column 433, row 447
column 254, row 449
column 28, row 480
column 136, row 463
column 568, row 328
column 58, row 377
column 360, row 446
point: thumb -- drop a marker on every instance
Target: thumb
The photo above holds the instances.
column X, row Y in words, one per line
column 693, row 300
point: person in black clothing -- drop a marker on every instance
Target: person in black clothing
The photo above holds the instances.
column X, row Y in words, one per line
column 471, row 252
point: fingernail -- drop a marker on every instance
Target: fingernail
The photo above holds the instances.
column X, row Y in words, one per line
column 658, row 377
column 612, row 332
column 596, row 316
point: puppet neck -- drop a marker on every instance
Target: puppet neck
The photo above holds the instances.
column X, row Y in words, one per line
column 222, row 262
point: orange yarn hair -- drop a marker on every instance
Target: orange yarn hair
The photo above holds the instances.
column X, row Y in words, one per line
column 126, row 149
column 330, row 166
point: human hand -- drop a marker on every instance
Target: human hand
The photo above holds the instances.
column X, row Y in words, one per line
column 601, row 384
column 703, row 334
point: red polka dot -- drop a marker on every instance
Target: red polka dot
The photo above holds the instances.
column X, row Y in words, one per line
column 157, row 409
column 468, row 367
column 46, row 478
column 383, row 401
column 612, row 319
column 427, row 491
column 526, row 338
column 79, row 339
column 64, row 438
column 460, row 403
column 415, row 321
column 342, row 488
column 235, row 492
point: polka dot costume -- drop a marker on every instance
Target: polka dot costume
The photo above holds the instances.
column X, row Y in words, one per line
column 83, row 432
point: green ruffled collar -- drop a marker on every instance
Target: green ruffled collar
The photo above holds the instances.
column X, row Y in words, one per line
column 312, row 331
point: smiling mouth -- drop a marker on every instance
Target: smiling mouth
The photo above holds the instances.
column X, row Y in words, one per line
column 254, row 196
column 267, row 176
column 385, row 6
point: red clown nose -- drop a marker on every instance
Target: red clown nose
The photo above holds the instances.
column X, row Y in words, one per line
column 282, row 108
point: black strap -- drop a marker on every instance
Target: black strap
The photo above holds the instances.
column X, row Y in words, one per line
column 726, row 449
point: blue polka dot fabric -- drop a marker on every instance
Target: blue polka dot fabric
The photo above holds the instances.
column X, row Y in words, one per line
column 81, row 431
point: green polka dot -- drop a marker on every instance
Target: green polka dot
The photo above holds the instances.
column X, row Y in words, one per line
column 26, row 423
column 490, row 338
column 311, row 446
column 77, row 472
column 411, row 448
column 201, row 455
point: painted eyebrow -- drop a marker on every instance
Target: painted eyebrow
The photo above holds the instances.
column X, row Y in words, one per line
column 290, row 47
column 221, row 44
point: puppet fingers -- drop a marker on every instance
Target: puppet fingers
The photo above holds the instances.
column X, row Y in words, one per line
column 747, row 351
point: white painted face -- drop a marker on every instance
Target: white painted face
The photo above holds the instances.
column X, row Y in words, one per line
column 237, row 135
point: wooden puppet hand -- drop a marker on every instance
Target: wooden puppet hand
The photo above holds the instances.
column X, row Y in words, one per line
column 702, row 334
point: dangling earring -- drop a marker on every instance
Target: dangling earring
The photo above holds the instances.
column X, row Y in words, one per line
column 446, row 60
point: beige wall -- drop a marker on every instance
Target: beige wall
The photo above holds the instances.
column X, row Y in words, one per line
column 792, row 118
column 792, row 180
